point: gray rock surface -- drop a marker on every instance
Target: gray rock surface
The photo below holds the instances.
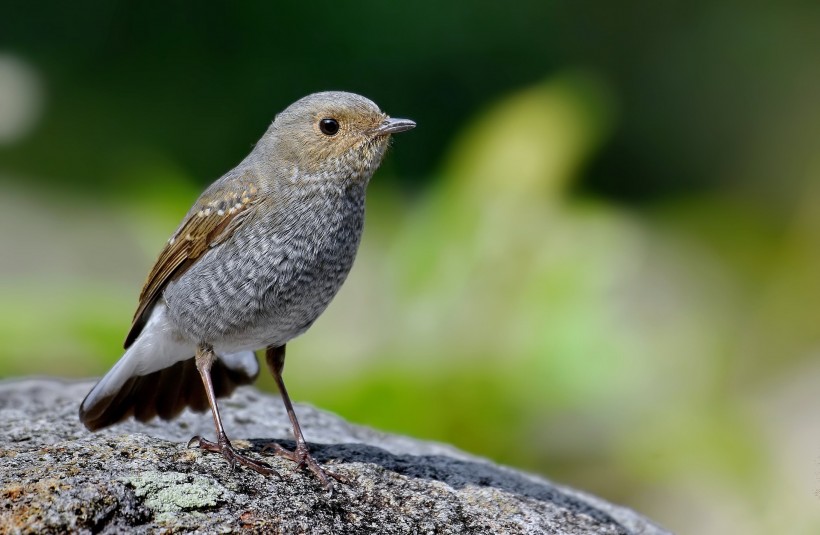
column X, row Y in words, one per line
column 56, row 477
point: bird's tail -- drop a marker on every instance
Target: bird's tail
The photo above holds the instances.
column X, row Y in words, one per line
column 157, row 376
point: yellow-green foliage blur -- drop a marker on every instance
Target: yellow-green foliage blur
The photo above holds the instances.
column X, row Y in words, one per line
column 596, row 258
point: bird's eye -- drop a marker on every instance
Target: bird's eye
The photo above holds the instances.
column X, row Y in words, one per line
column 328, row 126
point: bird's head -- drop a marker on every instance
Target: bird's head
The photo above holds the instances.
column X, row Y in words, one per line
column 331, row 136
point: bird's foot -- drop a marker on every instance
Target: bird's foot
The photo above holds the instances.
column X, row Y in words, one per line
column 302, row 457
column 224, row 446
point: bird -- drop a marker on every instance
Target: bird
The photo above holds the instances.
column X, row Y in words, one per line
column 255, row 261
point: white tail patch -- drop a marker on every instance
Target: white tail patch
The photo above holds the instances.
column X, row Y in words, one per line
column 156, row 348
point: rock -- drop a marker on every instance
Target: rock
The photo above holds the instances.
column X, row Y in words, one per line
column 56, row 477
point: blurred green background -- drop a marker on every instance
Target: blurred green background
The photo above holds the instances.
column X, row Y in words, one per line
column 596, row 258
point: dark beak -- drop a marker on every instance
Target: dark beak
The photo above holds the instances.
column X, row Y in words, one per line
column 394, row 126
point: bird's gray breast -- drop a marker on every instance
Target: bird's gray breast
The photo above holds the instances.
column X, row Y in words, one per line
column 271, row 280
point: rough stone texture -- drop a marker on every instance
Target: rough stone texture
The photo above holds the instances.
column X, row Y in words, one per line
column 56, row 477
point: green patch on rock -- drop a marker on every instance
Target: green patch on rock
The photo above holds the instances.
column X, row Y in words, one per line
column 171, row 492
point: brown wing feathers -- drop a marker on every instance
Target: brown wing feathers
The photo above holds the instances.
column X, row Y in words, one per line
column 210, row 222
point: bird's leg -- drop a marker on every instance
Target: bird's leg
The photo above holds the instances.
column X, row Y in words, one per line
column 275, row 357
column 205, row 358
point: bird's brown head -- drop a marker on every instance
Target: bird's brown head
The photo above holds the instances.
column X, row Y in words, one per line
column 331, row 136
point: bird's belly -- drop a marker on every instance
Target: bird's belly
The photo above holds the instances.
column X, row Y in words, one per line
column 255, row 293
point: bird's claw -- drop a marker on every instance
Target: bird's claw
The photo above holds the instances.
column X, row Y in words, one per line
column 303, row 459
column 224, row 446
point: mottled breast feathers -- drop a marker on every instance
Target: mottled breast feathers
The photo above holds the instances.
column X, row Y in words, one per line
column 212, row 220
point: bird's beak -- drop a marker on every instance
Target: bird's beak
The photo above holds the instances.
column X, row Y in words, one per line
column 394, row 126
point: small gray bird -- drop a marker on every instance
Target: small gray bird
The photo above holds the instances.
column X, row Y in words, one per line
column 255, row 261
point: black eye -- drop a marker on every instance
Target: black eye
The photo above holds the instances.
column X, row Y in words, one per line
column 328, row 126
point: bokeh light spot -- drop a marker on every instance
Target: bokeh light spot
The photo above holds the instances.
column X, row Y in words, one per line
column 21, row 98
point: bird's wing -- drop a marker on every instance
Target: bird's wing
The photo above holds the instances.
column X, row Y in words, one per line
column 213, row 219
